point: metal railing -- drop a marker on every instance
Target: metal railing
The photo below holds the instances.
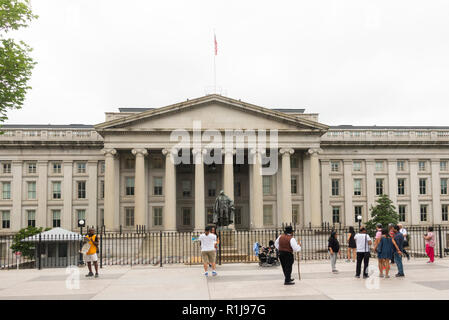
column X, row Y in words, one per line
column 143, row 247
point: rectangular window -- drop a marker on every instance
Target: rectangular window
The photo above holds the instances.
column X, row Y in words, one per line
column 186, row 188
column 379, row 187
column 31, row 218
column 81, row 186
column 56, row 186
column 81, row 167
column 423, row 211
column 422, row 165
column 401, row 211
column 335, row 166
column 335, row 187
column 129, row 187
column 186, row 216
column 443, row 165
column 294, row 185
column 401, row 165
column 444, row 212
column 157, row 163
column 57, row 167
column 157, row 216
column 238, row 216
column 32, row 167
column 56, row 218
column 210, row 215
column 401, row 186
column 379, row 166
column 102, row 189
column 357, row 213
column 6, row 192
column 6, row 167
column 267, row 215
column 336, row 214
column 102, row 167
column 295, row 214
column 443, row 183
column 237, row 189
column 266, row 185
column 6, row 223
column 157, row 186
column 357, row 187
column 422, row 185
column 357, row 166
column 31, row 186
column 101, row 218
column 129, row 217
column 293, row 162
column 80, row 214
column 212, row 188
column 129, row 163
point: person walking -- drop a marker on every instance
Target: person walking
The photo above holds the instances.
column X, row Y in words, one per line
column 334, row 248
column 403, row 231
column 399, row 240
column 208, row 241
column 91, row 254
column 286, row 245
column 352, row 247
column 363, row 242
column 430, row 244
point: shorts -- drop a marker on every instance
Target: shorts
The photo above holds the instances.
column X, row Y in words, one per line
column 208, row 256
column 90, row 257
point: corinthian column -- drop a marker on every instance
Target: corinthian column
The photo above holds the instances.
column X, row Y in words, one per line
column 110, row 219
column 139, row 186
column 257, row 190
column 169, row 215
column 286, row 186
column 199, row 189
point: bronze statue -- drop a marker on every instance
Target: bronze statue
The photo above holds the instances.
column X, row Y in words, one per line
column 223, row 210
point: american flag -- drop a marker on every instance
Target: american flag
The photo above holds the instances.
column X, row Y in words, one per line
column 216, row 45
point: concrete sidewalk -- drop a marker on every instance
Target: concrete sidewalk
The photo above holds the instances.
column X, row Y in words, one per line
column 234, row 281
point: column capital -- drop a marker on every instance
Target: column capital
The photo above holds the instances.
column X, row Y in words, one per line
column 286, row 151
column 254, row 151
column 109, row 152
column 169, row 151
column 225, row 151
column 139, row 151
column 314, row 151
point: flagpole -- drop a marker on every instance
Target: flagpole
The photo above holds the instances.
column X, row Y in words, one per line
column 215, row 68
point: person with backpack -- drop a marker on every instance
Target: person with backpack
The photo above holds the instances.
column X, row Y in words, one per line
column 286, row 245
column 363, row 242
column 91, row 254
column 334, row 248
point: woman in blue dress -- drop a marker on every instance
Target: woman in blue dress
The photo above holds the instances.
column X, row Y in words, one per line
column 384, row 248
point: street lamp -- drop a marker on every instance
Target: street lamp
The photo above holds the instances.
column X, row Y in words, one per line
column 359, row 217
column 81, row 224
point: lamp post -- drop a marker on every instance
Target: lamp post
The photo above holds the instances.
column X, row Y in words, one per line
column 359, row 217
column 81, row 224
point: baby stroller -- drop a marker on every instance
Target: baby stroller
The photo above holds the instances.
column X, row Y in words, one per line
column 269, row 256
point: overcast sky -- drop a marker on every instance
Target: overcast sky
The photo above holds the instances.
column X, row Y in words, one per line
column 383, row 62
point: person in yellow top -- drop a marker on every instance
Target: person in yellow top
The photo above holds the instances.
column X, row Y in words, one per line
column 91, row 254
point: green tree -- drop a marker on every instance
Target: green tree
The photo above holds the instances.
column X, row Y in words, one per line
column 384, row 213
column 15, row 63
column 27, row 248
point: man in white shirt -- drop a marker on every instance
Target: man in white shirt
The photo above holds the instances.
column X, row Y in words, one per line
column 363, row 242
column 208, row 253
column 404, row 233
column 286, row 245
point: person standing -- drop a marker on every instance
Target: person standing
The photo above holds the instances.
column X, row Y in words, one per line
column 391, row 234
column 363, row 242
column 91, row 254
column 399, row 240
column 430, row 244
column 286, row 245
column 376, row 242
column 352, row 247
column 208, row 241
column 334, row 248
column 384, row 248
column 213, row 231
column 403, row 231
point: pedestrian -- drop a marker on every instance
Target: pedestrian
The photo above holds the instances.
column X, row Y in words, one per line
column 352, row 247
column 376, row 242
column 384, row 248
column 399, row 240
column 430, row 244
column 391, row 234
column 334, row 248
column 406, row 243
column 363, row 242
column 213, row 230
column 91, row 254
column 208, row 241
column 286, row 245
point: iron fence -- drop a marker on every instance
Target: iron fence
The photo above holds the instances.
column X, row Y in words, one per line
column 143, row 247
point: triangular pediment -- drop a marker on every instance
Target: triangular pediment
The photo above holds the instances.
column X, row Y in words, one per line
column 212, row 112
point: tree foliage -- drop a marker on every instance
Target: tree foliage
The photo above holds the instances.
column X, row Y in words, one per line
column 384, row 213
column 15, row 62
column 26, row 248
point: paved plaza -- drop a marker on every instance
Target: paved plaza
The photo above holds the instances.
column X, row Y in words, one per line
column 234, row 281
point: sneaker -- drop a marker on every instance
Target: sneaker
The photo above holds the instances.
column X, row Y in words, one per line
column 291, row 280
column 334, row 271
column 399, row 275
column 381, row 275
column 289, row 283
column 90, row 274
column 365, row 277
column 358, row 277
column 429, row 262
column 96, row 275
column 214, row 273
column 206, row 274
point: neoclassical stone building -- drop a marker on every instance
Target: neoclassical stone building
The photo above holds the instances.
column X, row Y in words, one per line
column 121, row 172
